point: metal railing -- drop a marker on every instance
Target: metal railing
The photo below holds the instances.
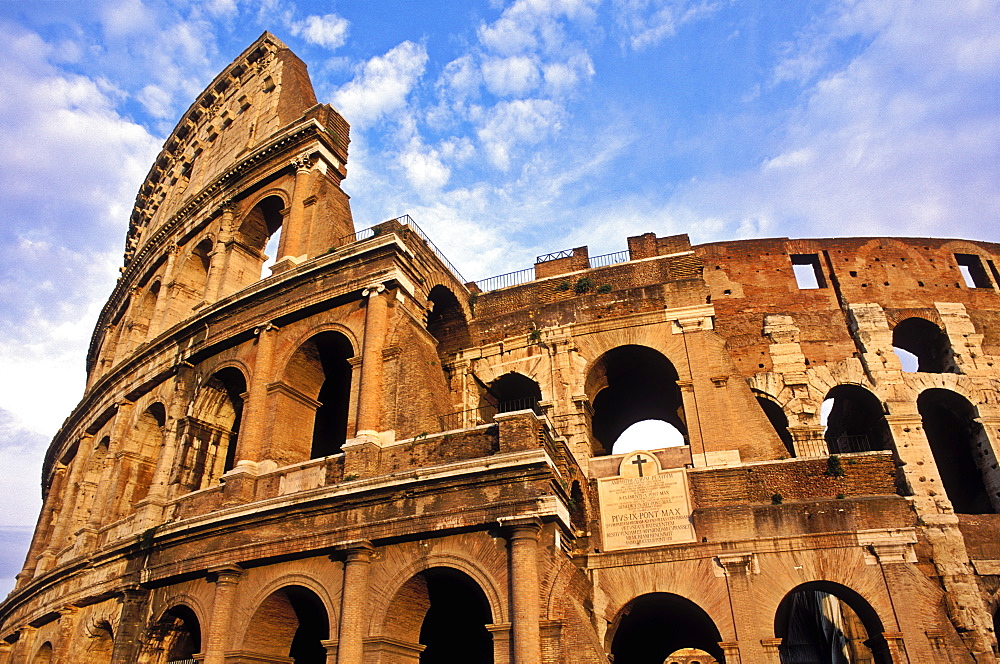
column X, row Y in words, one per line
column 486, row 413
column 506, row 280
column 848, row 444
column 405, row 220
column 545, row 258
column 614, row 258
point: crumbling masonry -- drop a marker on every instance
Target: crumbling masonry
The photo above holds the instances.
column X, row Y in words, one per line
column 361, row 457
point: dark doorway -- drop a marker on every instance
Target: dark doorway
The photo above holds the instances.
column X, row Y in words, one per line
column 962, row 451
column 333, row 352
column 446, row 321
column 454, row 628
column 825, row 623
column 509, row 393
column 653, row 626
column 291, row 622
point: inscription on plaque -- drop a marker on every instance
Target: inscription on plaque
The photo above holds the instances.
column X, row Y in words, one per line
column 644, row 505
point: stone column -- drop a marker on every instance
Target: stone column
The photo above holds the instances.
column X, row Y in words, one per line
column 738, row 567
column 220, row 256
column 226, row 577
column 35, row 562
column 376, row 325
column 808, row 440
column 293, row 236
column 354, row 603
column 70, row 492
column 151, row 507
column 100, row 506
column 130, row 625
column 156, row 320
column 522, row 533
column 251, row 439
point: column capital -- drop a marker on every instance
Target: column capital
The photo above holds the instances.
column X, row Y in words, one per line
column 357, row 551
column 302, row 163
column 372, row 290
column 736, row 564
column 266, row 327
column 228, row 574
column 520, row 527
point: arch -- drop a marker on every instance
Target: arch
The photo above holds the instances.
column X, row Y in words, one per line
column 446, row 321
column 441, row 614
column 828, row 623
column 320, row 370
column 962, row 452
column 508, row 393
column 191, row 278
column 211, row 430
column 175, row 637
column 652, row 626
column 856, row 421
column 928, row 344
column 776, row 416
column 43, row 655
column 292, row 621
column 145, row 441
column 101, row 644
column 141, row 320
column 628, row 384
column 255, row 232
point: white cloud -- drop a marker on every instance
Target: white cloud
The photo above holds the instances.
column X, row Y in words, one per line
column 329, row 31
column 645, row 23
column 533, row 25
column 518, row 122
column 461, row 76
column 900, row 139
column 513, row 76
column 382, row 84
column 423, row 167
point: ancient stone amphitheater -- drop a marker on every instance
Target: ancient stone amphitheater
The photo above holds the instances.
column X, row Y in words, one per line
column 360, row 457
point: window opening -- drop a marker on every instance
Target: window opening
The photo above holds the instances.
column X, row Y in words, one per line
column 509, row 393
column 971, row 267
column 993, row 271
column 270, row 253
column 446, row 322
column 808, row 274
column 630, row 384
column 962, row 452
column 330, row 426
column 290, row 623
column 854, row 421
column 776, row 416
column 922, row 346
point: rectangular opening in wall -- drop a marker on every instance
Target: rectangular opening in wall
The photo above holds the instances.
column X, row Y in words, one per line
column 808, row 274
column 971, row 267
column 993, row 270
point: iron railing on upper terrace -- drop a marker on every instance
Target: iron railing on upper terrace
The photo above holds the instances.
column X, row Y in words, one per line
column 486, row 413
column 405, row 220
column 524, row 276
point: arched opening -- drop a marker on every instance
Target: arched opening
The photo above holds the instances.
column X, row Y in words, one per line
column 962, row 452
column 321, row 371
column 652, row 626
column 776, row 416
column 141, row 321
column 212, row 430
column 446, row 321
column 257, row 241
column 291, row 622
column 43, row 655
column 510, row 392
column 691, row 656
column 918, row 339
column 441, row 615
column 146, row 441
column 100, row 646
column 176, row 636
column 630, row 384
column 826, row 623
column 856, row 421
column 192, row 277
column 648, row 435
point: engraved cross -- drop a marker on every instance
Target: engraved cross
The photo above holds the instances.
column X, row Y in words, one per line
column 638, row 462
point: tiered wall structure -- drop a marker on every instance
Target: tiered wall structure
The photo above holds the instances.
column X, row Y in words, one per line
column 360, row 457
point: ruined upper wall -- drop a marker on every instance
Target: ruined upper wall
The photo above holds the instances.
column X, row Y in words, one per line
column 750, row 279
column 263, row 90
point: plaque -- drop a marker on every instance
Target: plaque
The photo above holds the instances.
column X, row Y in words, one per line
column 644, row 505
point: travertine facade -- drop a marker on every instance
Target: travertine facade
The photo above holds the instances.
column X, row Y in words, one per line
column 362, row 458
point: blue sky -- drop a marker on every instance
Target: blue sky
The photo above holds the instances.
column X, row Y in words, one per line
column 506, row 129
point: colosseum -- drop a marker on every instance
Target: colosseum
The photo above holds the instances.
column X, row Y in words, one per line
column 348, row 453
